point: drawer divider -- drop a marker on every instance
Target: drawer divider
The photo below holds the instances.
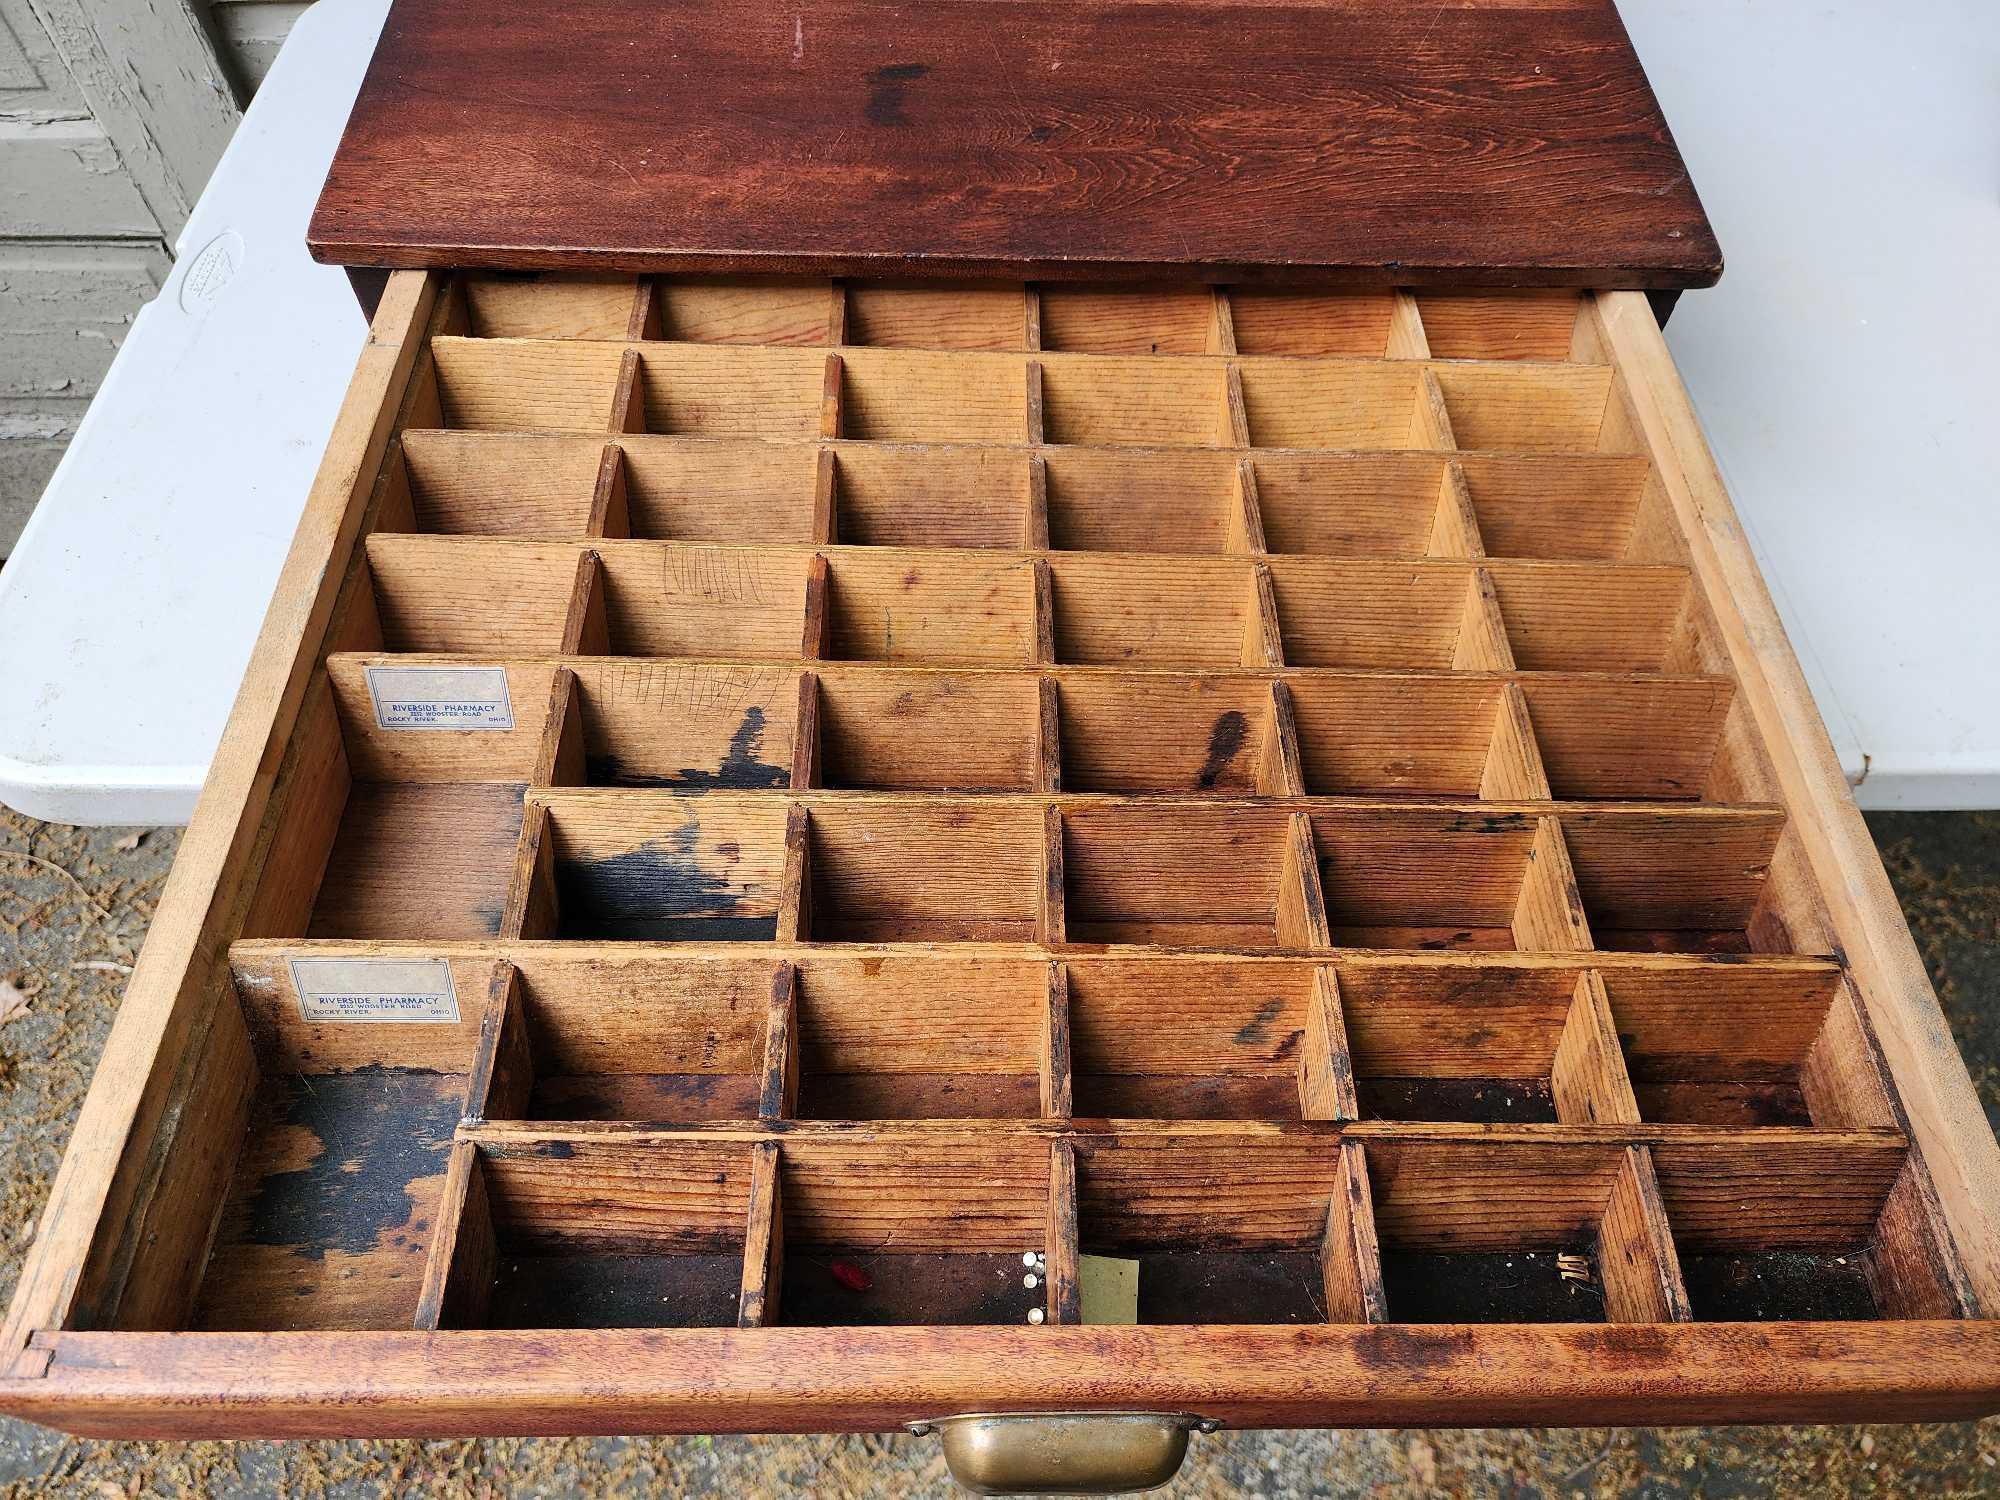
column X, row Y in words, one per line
column 763, row 1241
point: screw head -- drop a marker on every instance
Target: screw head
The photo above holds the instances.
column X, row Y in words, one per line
column 1028, row 1259
column 1031, row 1281
column 1036, row 1315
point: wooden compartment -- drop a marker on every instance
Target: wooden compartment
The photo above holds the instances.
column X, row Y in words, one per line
column 922, row 730
column 925, row 871
column 330, row 1149
column 654, row 866
column 1803, row 1226
column 577, row 1232
column 631, row 1038
column 764, row 803
column 1488, row 1046
column 1156, row 1039
column 1780, row 1046
column 1224, row 1230
column 946, row 1251
column 910, row 1039
column 1477, row 1231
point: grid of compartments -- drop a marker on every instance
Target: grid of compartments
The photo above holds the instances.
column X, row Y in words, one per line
column 1237, row 780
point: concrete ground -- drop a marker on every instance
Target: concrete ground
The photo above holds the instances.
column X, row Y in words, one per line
column 74, row 904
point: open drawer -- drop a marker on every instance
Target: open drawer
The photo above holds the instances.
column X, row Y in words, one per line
column 783, row 836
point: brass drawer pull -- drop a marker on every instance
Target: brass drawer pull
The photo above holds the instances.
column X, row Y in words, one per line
column 1065, row 1452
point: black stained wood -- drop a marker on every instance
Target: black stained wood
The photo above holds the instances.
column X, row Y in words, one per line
column 1360, row 142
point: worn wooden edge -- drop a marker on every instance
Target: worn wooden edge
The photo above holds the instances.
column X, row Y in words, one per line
column 272, row 951
column 1701, row 266
column 96, row 1193
column 1945, row 1117
column 487, row 1383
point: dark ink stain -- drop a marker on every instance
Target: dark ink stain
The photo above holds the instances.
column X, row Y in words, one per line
column 885, row 92
column 1289, row 1047
column 1488, row 823
column 658, row 890
column 1040, row 134
column 489, row 914
column 1224, row 741
column 1259, row 1027
column 379, row 1130
column 742, row 768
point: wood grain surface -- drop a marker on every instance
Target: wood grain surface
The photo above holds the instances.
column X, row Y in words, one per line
column 1354, row 142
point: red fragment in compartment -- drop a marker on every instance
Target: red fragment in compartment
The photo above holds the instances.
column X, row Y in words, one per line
column 851, row 1276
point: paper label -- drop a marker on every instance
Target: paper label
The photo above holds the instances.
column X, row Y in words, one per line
column 375, row 989
column 441, row 697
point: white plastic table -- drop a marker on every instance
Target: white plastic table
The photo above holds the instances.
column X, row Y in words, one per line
column 1846, row 367
column 130, row 603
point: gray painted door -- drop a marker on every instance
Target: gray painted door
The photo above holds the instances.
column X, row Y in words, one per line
column 112, row 115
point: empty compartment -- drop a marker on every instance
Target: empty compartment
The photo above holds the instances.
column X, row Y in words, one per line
column 1589, row 617
column 1422, row 878
column 925, row 1231
column 400, row 832
column 689, row 599
column 495, row 484
column 633, row 1038
column 487, row 386
column 939, row 607
column 1495, row 1231
column 1801, row 1226
column 930, row 497
column 1339, row 613
column 1206, row 876
column 1677, row 879
column 330, row 1139
column 719, row 490
column 1274, row 321
column 1526, row 408
column 937, row 315
column 1478, row 1045
column 605, row 1232
column 914, row 396
column 1742, row 1045
column 1367, row 736
column 690, row 867
column 1168, row 733
column 741, row 310
column 545, row 305
column 1331, row 404
column 1144, row 501
column 1646, row 737
column 1135, row 402
column 477, row 595
column 712, row 390
column 924, row 872
column 691, row 726
column 1568, row 505
column 1349, row 504
column 914, row 730
column 1500, row 325
column 914, row 1039
column 1129, row 319
column 1174, row 1040
column 1137, row 611
column 1224, row 1229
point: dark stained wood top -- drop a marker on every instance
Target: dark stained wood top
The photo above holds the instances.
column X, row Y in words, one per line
column 1339, row 141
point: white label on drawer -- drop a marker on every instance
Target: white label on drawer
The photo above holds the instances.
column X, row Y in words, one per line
column 441, row 697
column 375, row 989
